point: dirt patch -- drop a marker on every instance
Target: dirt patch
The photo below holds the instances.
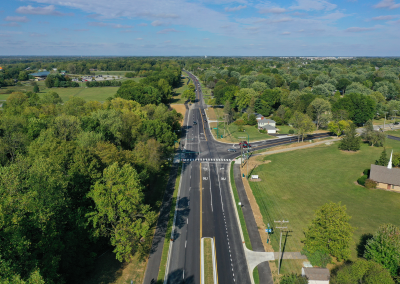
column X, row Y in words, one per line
column 181, row 109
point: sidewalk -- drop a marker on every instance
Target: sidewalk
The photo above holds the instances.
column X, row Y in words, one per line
column 297, row 148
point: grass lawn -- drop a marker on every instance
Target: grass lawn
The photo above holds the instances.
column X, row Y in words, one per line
column 393, row 133
column 177, row 92
column 296, row 183
column 232, row 134
column 89, row 94
column 208, row 266
column 284, row 129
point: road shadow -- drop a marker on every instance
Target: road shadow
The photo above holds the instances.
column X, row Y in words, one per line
column 176, row 277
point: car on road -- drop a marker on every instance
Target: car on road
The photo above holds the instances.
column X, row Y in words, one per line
column 231, row 150
column 194, row 122
column 244, row 144
column 396, row 123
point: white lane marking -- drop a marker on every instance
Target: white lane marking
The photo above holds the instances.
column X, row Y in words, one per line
column 185, row 243
column 187, row 221
column 209, row 176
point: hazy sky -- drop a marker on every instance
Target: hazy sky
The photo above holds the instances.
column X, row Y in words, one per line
column 200, row 27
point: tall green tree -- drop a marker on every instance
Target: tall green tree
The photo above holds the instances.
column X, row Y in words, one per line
column 362, row 271
column 384, row 248
column 302, row 123
column 120, row 212
column 330, row 231
column 350, row 142
column 383, row 159
column 320, row 110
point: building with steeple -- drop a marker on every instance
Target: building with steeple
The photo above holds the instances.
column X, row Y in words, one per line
column 387, row 178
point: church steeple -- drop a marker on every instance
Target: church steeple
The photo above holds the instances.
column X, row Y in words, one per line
column 390, row 161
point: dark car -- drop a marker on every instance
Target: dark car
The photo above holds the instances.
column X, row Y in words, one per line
column 396, row 123
column 231, row 150
column 194, row 122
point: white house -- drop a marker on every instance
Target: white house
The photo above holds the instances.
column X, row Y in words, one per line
column 316, row 275
column 266, row 124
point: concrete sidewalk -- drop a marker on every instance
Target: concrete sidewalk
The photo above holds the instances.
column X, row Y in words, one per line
column 296, row 148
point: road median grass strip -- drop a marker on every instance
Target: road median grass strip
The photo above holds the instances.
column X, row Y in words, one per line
column 164, row 255
column 208, row 265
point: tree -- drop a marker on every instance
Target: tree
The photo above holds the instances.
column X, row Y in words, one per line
column 120, row 211
column 350, row 142
column 383, row 159
column 384, row 248
column 373, row 137
column 189, row 95
column 303, row 123
column 36, row 89
column 362, row 271
column 23, row 76
column 339, row 127
column 360, row 108
column 329, row 231
column 293, row 279
column 320, row 108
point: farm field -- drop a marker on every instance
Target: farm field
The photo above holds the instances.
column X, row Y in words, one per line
column 294, row 184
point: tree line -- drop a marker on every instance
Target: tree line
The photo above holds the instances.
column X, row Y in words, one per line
column 76, row 178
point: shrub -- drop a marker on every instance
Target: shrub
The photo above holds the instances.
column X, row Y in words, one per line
column 362, row 180
column 319, row 258
column 291, row 131
column 293, row 279
column 369, row 183
column 239, row 122
column 366, row 172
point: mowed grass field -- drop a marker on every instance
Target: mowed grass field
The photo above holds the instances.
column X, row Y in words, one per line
column 393, row 133
column 89, row 94
column 177, row 92
column 295, row 184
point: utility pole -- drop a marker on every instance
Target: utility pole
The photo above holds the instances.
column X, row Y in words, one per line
column 280, row 242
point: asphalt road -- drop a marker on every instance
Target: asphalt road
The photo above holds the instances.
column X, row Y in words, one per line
column 205, row 206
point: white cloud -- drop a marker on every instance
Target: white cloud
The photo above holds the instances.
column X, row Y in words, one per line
column 143, row 25
column 115, row 26
column 389, row 4
column 97, row 24
column 167, row 31
column 285, row 33
column 333, row 16
column 167, row 41
column 310, row 5
column 81, row 30
column 270, row 10
column 233, row 9
column 17, row 19
column 12, row 24
column 385, row 18
column 157, row 23
column 358, row 29
column 49, row 10
column 37, row 35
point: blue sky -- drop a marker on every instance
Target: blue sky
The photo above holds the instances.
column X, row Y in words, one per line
column 200, row 27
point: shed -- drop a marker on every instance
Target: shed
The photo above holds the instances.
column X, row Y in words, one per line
column 316, row 275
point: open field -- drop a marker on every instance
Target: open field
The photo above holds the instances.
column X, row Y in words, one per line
column 294, row 184
column 181, row 109
column 89, row 94
column 232, row 134
column 177, row 92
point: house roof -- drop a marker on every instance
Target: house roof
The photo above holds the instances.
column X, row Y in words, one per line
column 268, row 127
column 40, row 74
column 259, row 116
column 384, row 175
column 316, row 273
column 267, row 120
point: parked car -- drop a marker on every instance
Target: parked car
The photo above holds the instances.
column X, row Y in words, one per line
column 231, row 150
